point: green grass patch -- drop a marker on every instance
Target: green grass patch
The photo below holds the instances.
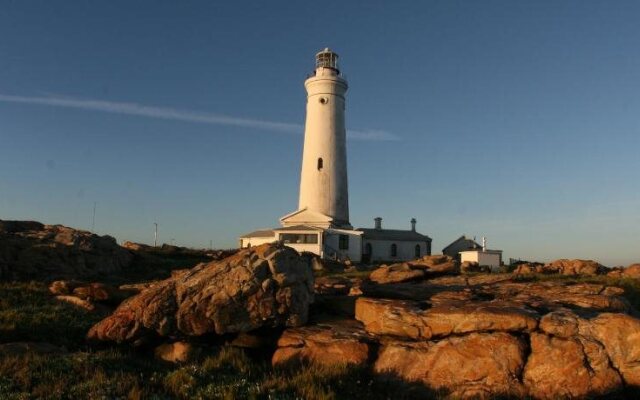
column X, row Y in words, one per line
column 29, row 313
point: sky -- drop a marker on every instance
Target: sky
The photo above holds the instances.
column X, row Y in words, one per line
column 514, row 120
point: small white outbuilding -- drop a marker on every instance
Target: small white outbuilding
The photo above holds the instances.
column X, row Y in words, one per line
column 483, row 256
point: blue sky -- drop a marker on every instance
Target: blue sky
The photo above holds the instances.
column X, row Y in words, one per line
column 515, row 120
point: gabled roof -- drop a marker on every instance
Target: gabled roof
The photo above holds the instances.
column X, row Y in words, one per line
column 260, row 233
column 307, row 214
column 393, row 234
column 469, row 243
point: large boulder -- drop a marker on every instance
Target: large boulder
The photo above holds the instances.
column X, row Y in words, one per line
column 573, row 367
column 620, row 335
column 31, row 250
column 483, row 365
column 264, row 286
column 331, row 343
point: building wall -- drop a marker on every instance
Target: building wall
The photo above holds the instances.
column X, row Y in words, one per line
column 381, row 250
column 353, row 253
column 255, row 241
column 483, row 258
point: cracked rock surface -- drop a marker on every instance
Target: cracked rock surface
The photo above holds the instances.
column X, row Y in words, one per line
column 264, row 286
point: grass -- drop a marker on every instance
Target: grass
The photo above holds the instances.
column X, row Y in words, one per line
column 155, row 264
column 29, row 313
column 227, row 374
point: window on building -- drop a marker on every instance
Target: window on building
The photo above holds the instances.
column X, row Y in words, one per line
column 418, row 251
column 368, row 249
column 394, row 250
column 248, row 244
column 299, row 238
column 343, row 242
column 319, row 164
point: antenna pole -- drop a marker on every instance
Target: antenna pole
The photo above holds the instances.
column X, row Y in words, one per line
column 93, row 220
column 155, row 235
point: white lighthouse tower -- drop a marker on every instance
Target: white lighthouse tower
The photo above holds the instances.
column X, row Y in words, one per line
column 324, row 195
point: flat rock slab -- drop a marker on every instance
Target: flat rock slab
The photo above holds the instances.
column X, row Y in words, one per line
column 554, row 295
column 328, row 343
column 264, row 286
column 407, row 319
column 426, row 267
column 481, row 365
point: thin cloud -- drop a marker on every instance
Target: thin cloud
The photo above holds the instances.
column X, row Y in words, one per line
column 142, row 110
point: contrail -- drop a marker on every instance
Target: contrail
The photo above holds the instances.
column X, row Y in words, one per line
column 181, row 115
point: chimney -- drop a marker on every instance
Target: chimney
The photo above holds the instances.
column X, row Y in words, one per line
column 413, row 224
column 484, row 243
column 378, row 222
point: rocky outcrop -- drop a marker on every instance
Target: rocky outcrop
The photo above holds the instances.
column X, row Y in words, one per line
column 136, row 246
column 31, row 250
column 632, row 271
column 268, row 285
column 487, row 336
column 331, row 343
column 574, row 267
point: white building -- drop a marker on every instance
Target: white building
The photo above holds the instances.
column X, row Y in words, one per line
column 321, row 223
column 483, row 256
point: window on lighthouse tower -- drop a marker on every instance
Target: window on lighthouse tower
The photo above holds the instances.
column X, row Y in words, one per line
column 320, row 164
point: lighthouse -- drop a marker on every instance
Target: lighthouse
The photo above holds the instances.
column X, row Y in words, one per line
column 324, row 194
